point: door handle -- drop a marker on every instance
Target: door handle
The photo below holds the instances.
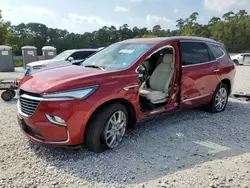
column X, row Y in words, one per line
column 130, row 87
column 216, row 70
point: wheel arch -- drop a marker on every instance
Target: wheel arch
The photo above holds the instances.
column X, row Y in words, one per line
column 227, row 82
column 128, row 105
column 235, row 60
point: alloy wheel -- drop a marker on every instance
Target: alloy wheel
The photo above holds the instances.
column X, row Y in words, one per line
column 221, row 99
column 115, row 129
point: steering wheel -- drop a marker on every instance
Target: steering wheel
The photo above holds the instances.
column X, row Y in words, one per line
column 143, row 73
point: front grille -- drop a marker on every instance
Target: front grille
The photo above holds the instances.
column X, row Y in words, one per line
column 28, row 106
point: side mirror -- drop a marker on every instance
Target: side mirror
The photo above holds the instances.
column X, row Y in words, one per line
column 78, row 62
column 140, row 70
column 70, row 59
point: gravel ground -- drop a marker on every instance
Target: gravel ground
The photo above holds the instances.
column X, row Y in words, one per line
column 18, row 74
column 188, row 149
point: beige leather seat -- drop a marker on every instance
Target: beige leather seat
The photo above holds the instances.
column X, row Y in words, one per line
column 160, row 81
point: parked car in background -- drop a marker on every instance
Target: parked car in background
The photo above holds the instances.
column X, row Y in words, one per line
column 94, row 103
column 74, row 56
column 241, row 59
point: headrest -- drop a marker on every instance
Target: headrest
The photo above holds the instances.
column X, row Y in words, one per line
column 168, row 58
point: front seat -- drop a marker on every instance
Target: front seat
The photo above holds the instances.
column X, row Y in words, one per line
column 160, row 81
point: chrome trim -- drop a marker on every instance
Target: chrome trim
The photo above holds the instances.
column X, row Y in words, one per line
column 19, row 109
column 210, row 41
column 199, row 64
column 51, row 120
column 45, row 99
column 59, row 142
column 130, row 87
column 194, row 98
column 48, row 142
column 216, row 70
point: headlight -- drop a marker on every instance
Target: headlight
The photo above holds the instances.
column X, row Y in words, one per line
column 80, row 94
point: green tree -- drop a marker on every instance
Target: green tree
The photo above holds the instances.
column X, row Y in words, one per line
column 232, row 29
column 148, row 36
column 5, row 35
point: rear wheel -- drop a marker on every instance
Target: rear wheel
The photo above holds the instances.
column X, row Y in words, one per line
column 219, row 100
column 7, row 95
column 106, row 128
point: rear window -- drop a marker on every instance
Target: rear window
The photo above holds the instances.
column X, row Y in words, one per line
column 216, row 50
column 193, row 53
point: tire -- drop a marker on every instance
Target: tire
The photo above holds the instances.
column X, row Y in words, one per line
column 13, row 93
column 220, row 97
column 96, row 133
column 236, row 62
column 7, row 95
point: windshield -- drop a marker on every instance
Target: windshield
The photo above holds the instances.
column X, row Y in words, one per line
column 117, row 56
column 62, row 56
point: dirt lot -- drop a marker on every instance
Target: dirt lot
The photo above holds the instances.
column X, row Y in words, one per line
column 188, row 149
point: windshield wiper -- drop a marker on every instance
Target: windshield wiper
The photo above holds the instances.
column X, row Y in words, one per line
column 94, row 66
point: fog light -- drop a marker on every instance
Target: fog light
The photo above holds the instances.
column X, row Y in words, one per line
column 56, row 120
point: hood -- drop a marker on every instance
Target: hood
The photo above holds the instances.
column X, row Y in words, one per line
column 42, row 62
column 61, row 78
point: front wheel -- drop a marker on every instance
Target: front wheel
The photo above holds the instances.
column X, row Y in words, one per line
column 219, row 100
column 106, row 128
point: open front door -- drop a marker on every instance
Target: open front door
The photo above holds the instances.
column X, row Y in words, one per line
column 175, row 89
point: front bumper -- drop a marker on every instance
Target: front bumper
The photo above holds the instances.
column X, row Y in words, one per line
column 38, row 128
column 37, row 136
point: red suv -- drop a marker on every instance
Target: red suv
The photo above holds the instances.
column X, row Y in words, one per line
column 94, row 103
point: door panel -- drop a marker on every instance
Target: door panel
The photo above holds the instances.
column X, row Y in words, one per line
column 198, row 83
column 199, row 74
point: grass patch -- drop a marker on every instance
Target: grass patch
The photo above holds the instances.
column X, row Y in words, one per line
column 18, row 63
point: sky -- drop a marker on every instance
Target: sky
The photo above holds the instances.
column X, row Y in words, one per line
column 81, row 16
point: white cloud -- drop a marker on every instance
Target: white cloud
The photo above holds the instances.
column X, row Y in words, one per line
column 28, row 13
column 162, row 21
column 38, row 11
column 74, row 18
column 225, row 5
column 5, row 8
column 121, row 9
column 22, row 11
column 176, row 10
